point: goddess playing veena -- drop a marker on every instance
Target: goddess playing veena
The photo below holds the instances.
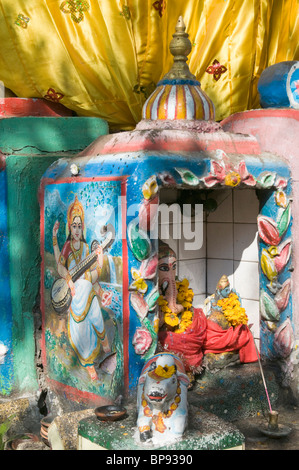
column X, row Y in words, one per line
column 86, row 328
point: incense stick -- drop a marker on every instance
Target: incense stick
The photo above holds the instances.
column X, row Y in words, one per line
column 262, row 374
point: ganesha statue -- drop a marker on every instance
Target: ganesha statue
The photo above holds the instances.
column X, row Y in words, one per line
column 228, row 338
column 162, row 399
column 182, row 328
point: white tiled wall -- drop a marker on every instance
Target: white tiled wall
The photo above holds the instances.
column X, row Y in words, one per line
column 230, row 246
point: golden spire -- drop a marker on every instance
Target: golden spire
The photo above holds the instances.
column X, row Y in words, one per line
column 180, row 47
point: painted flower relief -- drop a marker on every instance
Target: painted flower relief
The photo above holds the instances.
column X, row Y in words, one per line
column 141, row 341
column 222, row 172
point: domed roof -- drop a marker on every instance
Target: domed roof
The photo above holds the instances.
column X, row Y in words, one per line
column 179, row 95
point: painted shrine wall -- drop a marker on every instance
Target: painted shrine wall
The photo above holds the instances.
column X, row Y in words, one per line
column 29, row 145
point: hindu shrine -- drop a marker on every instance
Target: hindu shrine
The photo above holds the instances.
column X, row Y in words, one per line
column 167, row 257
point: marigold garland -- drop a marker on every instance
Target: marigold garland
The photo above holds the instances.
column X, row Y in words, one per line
column 158, row 420
column 232, row 310
column 184, row 297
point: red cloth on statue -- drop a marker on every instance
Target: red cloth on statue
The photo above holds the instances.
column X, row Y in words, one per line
column 238, row 338
column 187, row 345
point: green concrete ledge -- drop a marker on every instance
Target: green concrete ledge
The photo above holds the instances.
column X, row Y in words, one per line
column 34, row 135
column 205, row 432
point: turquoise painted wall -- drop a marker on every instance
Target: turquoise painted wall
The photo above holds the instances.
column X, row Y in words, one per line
column 30, row 145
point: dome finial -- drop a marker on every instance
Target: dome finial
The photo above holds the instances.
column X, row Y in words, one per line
column 180, row 47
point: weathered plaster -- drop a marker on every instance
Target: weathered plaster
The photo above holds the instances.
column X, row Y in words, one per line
column 28, row 145
column 277, row 131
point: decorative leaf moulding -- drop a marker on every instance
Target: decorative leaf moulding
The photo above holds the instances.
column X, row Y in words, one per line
column 268, row 266
column 152, row 298
column 150, row 187
column 188, row 177
column 267, row 229
column 139, row 304
column 275, row 258
column 149, row 266
column 148, row 213
column 281, row 258
column 284, row 339
column 138, row 282
column 269, row 179
column 271, row 232
column 138, row 241
column 283, row 295
column 272, row 326
column 167, row 179
column 281, row 198
column 283, row 220
column 224, row 173
column 281, row 183
column 266, row 180
column 269, row 309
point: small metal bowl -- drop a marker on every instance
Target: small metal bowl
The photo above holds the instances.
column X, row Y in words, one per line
column 110, row 412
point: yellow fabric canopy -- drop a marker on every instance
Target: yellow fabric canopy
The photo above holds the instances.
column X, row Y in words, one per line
column 104, row 57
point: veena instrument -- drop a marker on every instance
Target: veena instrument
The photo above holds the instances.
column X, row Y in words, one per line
column 61, row 296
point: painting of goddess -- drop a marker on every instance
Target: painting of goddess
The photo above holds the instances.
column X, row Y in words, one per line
column 86, row 328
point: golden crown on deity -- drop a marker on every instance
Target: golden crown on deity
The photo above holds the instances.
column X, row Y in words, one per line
column 75, row 210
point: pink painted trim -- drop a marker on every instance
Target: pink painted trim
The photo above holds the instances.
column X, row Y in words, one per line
column 181, row 144
column 261, row 113
column 24, row 107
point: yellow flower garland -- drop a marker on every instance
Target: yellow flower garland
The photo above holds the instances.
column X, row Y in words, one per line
column 165, row 372
column 184, row 297
column 232, row 310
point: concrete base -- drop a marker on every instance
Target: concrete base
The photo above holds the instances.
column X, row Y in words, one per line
column 63, row 431
column 205, row 432
column 235, row 392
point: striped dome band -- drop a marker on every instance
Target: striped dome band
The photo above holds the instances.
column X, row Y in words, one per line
column 182, row 101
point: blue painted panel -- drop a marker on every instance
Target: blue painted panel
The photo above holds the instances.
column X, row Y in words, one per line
column 6, row 361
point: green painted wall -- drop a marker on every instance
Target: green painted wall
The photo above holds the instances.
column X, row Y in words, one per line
column 23, row 174
column 31, row 145
column 35, row 135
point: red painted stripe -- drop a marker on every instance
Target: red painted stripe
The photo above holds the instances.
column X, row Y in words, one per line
column 42, row 251
column 74, row 394
column 126, row 308
column 76, row 179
